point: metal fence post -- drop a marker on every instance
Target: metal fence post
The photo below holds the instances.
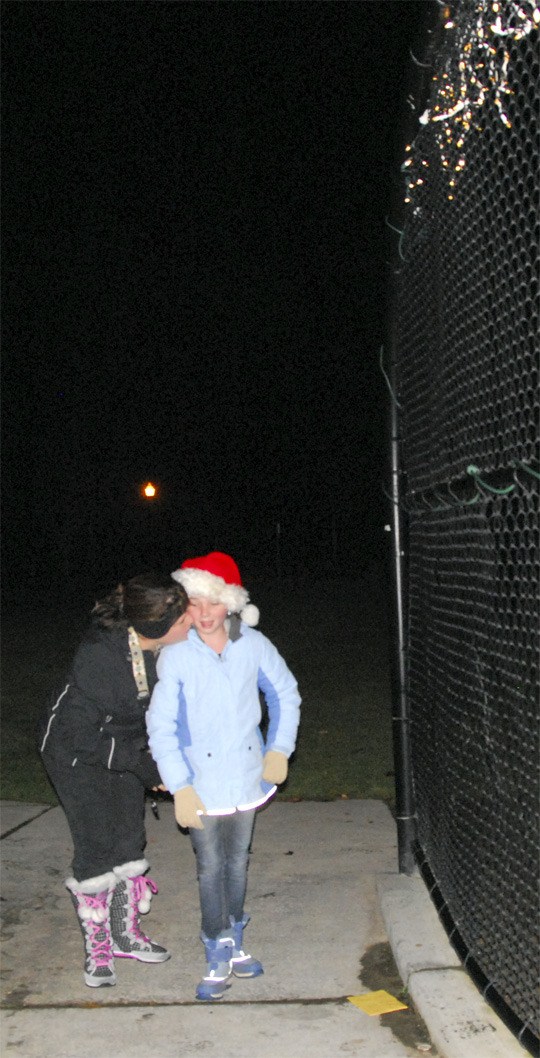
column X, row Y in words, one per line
column 405, row 815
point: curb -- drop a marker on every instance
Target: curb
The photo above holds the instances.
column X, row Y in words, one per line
column 460, row 1022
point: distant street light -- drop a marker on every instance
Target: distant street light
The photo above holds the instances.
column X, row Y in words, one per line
column 149, row 491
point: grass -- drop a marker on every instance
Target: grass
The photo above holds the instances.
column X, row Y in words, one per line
column 35, row 653
column 333, row 634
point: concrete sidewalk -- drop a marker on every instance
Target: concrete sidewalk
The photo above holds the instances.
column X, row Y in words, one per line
column 323, row 894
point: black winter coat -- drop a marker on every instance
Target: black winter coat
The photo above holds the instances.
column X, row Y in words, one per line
column 96, row 717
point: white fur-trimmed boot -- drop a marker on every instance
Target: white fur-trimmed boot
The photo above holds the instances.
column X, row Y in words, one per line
column 243, row 965
column 132, row 897
column 91, row 900
column 218, row 966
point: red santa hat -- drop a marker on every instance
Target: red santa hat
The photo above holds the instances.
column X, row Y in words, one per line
column 217, row 577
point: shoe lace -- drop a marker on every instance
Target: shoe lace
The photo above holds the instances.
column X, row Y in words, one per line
column 101, row 952
column 98, row 935
column 140, row 886
column 97, row 905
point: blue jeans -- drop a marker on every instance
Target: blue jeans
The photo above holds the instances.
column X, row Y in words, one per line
column 222, row 850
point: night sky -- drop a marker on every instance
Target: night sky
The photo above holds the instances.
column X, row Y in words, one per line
column 195, row 269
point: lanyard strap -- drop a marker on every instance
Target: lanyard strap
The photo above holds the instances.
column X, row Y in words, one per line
column 137, row 664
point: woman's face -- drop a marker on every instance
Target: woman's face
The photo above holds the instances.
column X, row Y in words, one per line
column 207, row 616
column 178, row 631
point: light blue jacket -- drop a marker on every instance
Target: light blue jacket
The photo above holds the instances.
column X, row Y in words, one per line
column 203, row 719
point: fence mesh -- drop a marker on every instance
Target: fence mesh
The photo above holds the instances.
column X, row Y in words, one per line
column 467, row 386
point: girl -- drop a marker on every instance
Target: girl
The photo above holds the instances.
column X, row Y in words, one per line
column 204, row 734
column 93, row 744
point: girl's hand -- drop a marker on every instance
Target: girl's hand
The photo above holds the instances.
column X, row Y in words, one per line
column 275, row 767
column 161, row 787
column 188, row 808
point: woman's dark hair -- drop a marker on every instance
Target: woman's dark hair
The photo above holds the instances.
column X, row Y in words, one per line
column 145, row 598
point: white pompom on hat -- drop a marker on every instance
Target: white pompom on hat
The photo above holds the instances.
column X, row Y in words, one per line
column 216, row 576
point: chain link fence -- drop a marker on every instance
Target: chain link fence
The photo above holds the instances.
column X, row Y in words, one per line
column 466, row 385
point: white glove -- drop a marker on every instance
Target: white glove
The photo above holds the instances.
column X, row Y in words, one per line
column 275, row 767
column 186, row 803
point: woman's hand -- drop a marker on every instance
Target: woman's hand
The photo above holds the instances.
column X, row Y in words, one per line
column 161, row 787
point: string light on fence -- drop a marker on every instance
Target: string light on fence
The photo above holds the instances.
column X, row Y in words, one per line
column 459, row 95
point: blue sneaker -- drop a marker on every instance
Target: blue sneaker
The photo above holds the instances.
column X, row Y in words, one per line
column 243, row 965
column 218, row 967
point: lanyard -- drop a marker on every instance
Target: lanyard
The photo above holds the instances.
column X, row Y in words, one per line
column 139, row 675
column 137, row 664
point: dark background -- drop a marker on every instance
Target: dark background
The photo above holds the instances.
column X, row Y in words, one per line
column 196, row 274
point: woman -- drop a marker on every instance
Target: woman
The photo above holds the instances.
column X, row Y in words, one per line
column 93, row 744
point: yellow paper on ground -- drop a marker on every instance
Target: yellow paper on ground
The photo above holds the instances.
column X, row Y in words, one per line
column 380, row 1002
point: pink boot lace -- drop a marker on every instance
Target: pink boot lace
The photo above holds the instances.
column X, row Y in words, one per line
column 101, row 949
column 140, row 885
column 96, row 908
column 138, row 894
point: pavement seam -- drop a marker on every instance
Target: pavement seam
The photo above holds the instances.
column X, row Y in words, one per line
column 436, row 970
column 155, row 1004
column 26, row 822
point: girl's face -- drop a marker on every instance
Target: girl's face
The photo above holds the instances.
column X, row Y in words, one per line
column 207, row 616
